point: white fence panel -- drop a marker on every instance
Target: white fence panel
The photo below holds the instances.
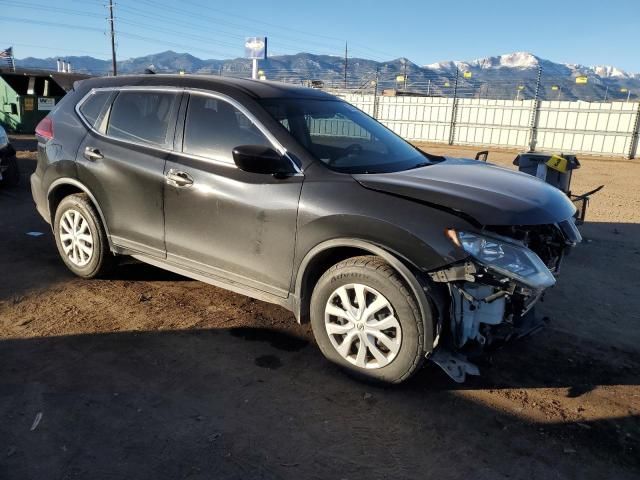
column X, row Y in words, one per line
column 570, row 127
column 503, row 123
column 426, row 119
column 583, row 127
column 363, row 102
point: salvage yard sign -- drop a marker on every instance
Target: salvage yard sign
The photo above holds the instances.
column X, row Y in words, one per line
column 46, row 104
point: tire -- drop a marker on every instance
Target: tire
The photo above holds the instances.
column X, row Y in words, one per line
column 11, row 176
column 380, row 283
column 77, row 208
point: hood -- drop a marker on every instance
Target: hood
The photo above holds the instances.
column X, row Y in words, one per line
column 490, row 194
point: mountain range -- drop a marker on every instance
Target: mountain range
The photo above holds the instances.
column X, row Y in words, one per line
column 503, row 76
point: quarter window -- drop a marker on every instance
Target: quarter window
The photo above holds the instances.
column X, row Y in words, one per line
column 144, row 117
column 91, row 108
column 213, row 128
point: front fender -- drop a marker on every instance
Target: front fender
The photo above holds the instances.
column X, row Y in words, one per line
column 392, row 258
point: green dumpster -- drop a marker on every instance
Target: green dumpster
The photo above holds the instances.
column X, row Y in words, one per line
column 27, row 97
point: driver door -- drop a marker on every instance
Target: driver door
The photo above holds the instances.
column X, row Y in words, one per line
column 220, row 220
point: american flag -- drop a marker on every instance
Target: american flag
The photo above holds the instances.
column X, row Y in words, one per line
column 6, row 58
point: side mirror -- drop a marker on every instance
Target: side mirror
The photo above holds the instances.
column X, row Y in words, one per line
column 261, row 159
column 482, row 156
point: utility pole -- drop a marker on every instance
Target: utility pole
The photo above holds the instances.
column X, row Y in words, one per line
column 346, row 63
column 404, row 74
column 375, row 93
column 113, row 40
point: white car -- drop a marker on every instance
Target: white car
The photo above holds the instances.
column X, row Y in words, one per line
column 9, row 174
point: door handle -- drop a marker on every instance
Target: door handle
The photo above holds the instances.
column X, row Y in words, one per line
column 92, row 154
column 177, row 178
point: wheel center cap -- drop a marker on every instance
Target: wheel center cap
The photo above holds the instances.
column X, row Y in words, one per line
column 360, row 326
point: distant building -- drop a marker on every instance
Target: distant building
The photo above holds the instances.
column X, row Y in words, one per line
column 392, row 92
column 313, row 83
column 27, row 96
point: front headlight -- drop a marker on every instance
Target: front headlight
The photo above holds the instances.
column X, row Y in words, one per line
column 512, row 260
column 4, row 139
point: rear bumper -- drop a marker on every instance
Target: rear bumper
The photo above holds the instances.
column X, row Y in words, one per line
column 39, row 197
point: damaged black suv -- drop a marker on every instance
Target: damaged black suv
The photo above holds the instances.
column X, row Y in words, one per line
column 292, row 196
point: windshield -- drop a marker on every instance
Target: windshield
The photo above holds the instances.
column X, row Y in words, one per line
column 343, row 137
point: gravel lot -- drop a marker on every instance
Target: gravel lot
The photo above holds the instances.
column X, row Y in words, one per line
column 149, row 375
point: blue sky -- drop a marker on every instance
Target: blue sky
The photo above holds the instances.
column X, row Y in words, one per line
column 570, row 31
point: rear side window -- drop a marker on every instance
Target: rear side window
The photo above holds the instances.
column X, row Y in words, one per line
column 213, row 128
column 144, row 117
column 92, row 107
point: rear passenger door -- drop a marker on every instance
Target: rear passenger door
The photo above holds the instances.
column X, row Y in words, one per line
column 122, row 161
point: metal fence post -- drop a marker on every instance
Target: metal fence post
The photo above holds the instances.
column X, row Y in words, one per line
column 535, row 114
column 635, row 136
column 454, row 110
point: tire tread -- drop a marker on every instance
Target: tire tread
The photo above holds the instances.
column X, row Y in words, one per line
column 107, row 261
column 377, row 264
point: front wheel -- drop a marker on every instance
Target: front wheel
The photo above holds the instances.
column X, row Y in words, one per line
column 366, row 320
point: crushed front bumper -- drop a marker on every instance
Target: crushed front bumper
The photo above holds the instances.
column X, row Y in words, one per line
column 484, row 308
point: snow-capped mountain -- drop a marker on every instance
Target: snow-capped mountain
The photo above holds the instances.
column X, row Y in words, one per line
column 496, row 77
column 510, row 60
column 525, row 61
column 608, row 71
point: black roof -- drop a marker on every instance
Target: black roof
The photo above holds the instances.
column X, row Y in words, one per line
column 253, row 88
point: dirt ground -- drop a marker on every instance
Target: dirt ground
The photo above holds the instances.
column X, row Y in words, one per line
column 149, row 375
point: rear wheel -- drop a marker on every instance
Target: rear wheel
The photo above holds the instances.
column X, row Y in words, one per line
column 80, row 237
column 366, row 320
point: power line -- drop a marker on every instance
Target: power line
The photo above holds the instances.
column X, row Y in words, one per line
column 288, row 28
column 49, row 47
column 194, row 27
column 66, row 11
column 145, row 14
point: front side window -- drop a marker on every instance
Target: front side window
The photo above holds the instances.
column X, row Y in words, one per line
column 213, row 128
column 343, row 137
column 144, row 117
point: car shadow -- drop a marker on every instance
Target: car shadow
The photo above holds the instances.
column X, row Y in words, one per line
column 256, row 403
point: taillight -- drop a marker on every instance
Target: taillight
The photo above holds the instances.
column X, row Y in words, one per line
column 45, row 129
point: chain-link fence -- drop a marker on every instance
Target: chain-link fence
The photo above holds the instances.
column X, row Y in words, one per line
column 558, row 83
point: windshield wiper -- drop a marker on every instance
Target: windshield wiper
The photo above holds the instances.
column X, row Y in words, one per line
column 420, row 165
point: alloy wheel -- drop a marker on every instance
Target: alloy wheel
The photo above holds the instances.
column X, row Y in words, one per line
column 362, row 326
column 76, row 238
